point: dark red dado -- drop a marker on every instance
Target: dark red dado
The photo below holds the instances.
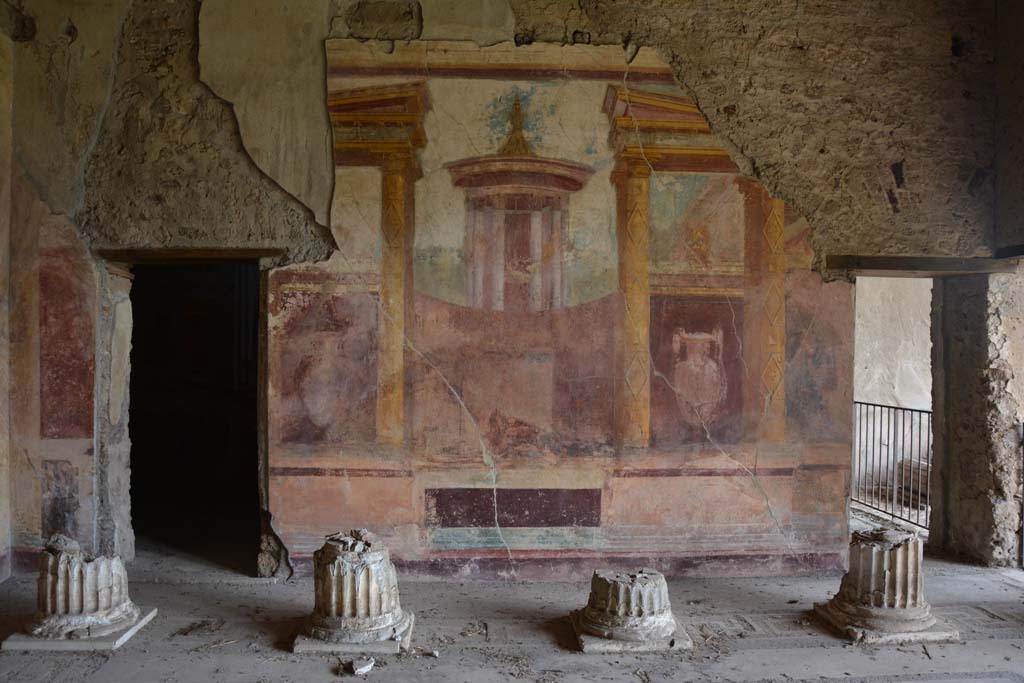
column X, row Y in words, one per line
column 477, row 507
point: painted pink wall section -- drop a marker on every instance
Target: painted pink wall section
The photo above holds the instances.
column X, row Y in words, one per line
column 512, row 458
column 53, row 351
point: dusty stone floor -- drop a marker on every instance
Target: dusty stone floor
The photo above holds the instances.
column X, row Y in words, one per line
column 215, row 625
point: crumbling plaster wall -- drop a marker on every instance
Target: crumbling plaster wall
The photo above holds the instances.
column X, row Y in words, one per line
column 978, row 342
column 191, row 184
column 114, row 129
column 1010, row 125
column 877, row 126
column 875, row 123
column 892, row 354
column 120, row 147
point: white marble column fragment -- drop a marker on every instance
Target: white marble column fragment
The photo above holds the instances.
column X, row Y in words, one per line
column 356, row 605
column 82, row 602
column 881, row 597
column 628, row 612
column 80, row 597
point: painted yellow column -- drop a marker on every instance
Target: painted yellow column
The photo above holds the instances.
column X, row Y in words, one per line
column 395, row 280
column 633, row 370
column 774, row 374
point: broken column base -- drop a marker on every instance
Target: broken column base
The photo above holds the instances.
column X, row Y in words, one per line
column 591, row 644
column 852, row 627
column 398, row 642
column 103, row 643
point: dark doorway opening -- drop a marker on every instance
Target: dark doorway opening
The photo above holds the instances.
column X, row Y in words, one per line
column 193, row 419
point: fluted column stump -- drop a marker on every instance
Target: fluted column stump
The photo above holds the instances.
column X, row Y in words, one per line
column 881, row 597
column 82, row 602
column 628, row 612
column 356, row 606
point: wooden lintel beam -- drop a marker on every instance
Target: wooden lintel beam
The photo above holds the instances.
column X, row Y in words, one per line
column 918, row 266
column 186, row 255
column 1010, row 251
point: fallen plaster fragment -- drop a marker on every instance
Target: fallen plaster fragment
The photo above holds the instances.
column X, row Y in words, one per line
column 628, row 612
column 361, row 667
column 357, row 607
column 82, row 602
column 881, row 598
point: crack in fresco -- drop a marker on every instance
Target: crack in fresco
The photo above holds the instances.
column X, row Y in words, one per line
column 488, row 459
column 742, row 457
column 485, row 454
column 714, row 443
column 659, row 375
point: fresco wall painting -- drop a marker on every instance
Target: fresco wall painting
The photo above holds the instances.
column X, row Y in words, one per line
column 560, row 326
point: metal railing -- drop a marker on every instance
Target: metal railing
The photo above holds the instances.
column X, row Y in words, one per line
column 892, row 461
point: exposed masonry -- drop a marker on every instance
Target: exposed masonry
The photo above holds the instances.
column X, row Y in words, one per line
column 114, row 531
column 815, row 101
column 978, row 336
column 819, row 101
column 192, row 185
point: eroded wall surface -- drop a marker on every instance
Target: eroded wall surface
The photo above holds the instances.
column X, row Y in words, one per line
column 560, row 326
column 979, row 483
column 119, row 146
column 1010, row 125
column 837, row 111
column 878, row 128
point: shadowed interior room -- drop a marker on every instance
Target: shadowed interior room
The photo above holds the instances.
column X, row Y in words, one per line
column 193, row 404
column 552, row 341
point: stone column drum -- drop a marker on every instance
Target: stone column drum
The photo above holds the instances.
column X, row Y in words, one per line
column 881, row 597
column 628, row 612
column 79, row 597
column 356, row 605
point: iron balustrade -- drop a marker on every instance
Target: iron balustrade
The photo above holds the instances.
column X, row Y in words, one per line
column 892, row 461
